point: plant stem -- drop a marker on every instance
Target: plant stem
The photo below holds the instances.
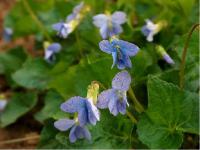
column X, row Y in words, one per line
column 37, row 21
column 78, row 42
column 131, row 117
column 19, row 140
column 183, row 59
column 139, row 108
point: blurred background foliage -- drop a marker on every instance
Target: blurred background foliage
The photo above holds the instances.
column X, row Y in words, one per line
column 33, row 81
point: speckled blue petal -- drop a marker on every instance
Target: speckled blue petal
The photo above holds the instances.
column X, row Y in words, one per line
column 74, row 104
column 128, row 48
column 105, row 46
column 72, row 135
column 100, row 20
column 64, row 124
column 119, row 17
column 104, row 97
column 121, row 81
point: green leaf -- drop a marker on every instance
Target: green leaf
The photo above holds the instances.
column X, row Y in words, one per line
column 51, row 107
column 12, row 60
column 33, row 74
column 170, row 113
column 18, row 105
column 75, row 80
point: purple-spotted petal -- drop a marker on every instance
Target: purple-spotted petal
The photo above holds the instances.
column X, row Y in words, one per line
column 72, row 135
column 100, row 20
column 73, row 105
column 64, row 124
column 119, row 17
column 104, row 97
column 128, row 48
column 105, row 46
column 121, row 81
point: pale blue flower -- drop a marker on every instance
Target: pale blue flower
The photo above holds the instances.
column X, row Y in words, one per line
column 115, row 98
column 110, row 25
column 64, row 28
column 87, row 111
column 149, row 30
column 76, row 132
column 7, row 34
column 51, row 50
column 120, row 51
column 3, row 104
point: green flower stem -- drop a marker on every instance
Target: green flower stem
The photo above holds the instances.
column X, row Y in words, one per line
column 131, row 117
column 139, row 108
column 183, row 59
column 78, row 43
column 37, row 21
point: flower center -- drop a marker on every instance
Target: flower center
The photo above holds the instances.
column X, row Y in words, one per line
column 121, row 95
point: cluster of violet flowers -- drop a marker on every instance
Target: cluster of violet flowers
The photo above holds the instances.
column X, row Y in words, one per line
column 85, row 110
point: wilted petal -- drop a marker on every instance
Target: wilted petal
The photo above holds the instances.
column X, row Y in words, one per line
column 104, row 98
column 105, row 46
column 72, row 135
column 121, row 81
column 119, row 17
column 100, row 20
column 128, row 48
column 73, row 105
column 64, row 124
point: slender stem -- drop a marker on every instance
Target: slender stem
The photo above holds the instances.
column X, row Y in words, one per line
column 183, row 59
column 78, row 42
column 37, row 21
column 19, row 140
column 139, row 108
column 131, row 117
